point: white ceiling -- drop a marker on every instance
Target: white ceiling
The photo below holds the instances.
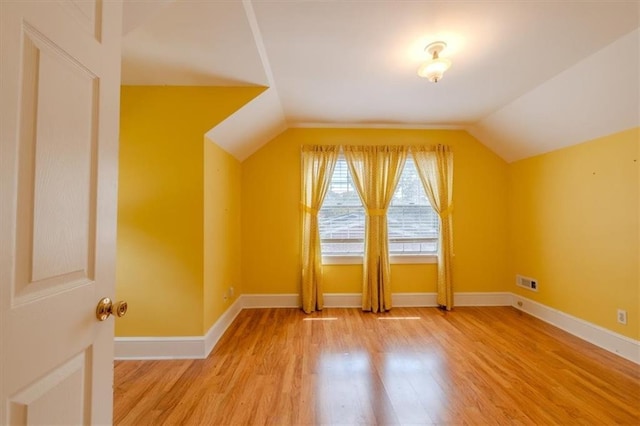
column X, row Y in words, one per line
column 527, row 76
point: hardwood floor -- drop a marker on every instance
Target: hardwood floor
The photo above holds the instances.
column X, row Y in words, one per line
column 409, row 366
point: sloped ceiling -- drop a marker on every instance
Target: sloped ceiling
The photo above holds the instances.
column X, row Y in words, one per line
column 527, row 77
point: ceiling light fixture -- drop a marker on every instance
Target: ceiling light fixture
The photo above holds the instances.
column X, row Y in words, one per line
column 434, row 68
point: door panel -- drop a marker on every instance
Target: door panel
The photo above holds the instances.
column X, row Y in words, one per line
column 60, row 72
column 57, row 163
column 57, row 398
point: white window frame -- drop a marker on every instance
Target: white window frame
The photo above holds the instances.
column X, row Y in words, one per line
column 355, row 259
column 394, row 259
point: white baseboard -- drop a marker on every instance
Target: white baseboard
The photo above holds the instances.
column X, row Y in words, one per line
column 181, row 347
column 404, row 300
column 599, row 336
column 483, row 299
column 198, row 347
column 270, row 301
column 410, row 300
column 220, row 326
column 342, row 300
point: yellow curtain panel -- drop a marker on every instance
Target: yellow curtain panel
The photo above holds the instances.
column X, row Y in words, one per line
column 376, row 171
column 435, row 168
column 318, row 163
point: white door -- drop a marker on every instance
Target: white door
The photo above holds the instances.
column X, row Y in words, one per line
column 59, row 94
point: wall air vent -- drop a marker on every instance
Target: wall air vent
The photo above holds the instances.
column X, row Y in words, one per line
column 526, row 282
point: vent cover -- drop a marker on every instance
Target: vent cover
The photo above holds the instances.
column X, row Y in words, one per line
column 526, row 282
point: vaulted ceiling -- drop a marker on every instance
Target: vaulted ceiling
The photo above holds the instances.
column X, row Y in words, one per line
column 527, row 76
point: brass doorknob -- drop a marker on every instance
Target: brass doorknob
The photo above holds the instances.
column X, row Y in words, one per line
column 106, row 307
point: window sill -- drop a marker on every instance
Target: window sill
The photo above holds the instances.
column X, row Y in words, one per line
column 397, row 259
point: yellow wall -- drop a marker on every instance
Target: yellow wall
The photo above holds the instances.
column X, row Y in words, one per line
column 574, row 227
column 270, row 214
column 160, row 259
column 221, row 231
column 193, row 221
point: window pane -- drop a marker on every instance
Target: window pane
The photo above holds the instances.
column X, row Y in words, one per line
column 412, row 223
column 341, row 218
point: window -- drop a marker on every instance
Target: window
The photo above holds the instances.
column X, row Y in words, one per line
column 341, row 218
column 412, row 223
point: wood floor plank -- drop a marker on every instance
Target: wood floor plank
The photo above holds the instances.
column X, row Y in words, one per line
column 418, row 366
